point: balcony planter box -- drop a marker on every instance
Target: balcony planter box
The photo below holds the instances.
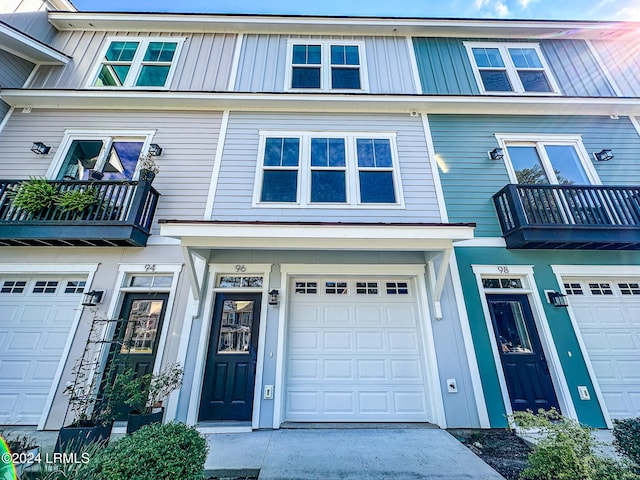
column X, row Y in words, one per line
column 71, row 439
column 136, row 421
column 147, row 175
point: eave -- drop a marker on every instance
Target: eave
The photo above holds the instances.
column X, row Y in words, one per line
column 24, row 46
column 302, row 102
column 442, row 27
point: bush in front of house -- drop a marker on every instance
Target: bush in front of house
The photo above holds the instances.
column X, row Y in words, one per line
column 156, row 451
column 626, row 434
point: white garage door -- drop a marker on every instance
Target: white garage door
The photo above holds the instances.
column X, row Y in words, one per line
column 36, row 314
column 355, row 352
column 608, row 314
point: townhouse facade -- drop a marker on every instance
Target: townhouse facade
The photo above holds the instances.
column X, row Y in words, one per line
column 321, row 242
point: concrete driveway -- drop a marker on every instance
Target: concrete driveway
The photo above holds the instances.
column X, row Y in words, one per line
column 300, row 454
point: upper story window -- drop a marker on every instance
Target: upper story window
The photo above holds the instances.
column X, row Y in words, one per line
column 132, row 62
column 94, row 156
column 315, row 169
column 325, row 65
column 511, row 67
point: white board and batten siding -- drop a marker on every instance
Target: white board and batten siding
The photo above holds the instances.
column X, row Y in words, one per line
column 263, row 65
column 623, row 63
column 188, row 140
column 204, row 62
column 234, row 192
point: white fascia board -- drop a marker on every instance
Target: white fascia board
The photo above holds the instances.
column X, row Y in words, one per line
column 23, row 46
column 63, row 5
column 303, row 236
column 167, row 22
column 451, row 104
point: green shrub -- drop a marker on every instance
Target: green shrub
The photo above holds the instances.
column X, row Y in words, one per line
column 626, row 434
column 609, row 469
column 76, row 201
column 34, row 195
column 154, row 452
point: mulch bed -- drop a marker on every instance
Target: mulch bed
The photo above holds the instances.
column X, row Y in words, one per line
column 503, row 450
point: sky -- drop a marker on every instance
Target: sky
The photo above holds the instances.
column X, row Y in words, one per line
column 519, row 9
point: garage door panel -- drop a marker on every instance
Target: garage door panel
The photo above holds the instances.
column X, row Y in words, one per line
column 336, row 341
column 370, row 316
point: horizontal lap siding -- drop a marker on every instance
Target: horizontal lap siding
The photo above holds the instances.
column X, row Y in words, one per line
column 263, row 63
column 188, row 140
column 204, row 63
column 470, row 179
column 622, row 59
column 238, row 168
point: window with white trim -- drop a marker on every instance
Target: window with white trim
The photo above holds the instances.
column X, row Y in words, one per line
column 327, row 169
column 325, row 65
column 133, row 62
column 510, row 67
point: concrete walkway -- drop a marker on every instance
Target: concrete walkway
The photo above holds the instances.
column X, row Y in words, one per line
column 397, row 454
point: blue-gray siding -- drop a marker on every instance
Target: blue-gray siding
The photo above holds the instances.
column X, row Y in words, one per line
column 204, row 64
column 238, row 168
column 4, row 108
column 263, row 63
column 34, row 24
column 469, row 178
column 622, row 58
column 13, row 70
column 445, row 69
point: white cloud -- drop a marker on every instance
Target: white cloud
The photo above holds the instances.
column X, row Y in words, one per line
column 524, row 3
column 481, row 4
column 501, row 9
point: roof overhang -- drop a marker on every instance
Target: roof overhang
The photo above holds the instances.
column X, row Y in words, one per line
column 441, row 27
column 316, row 236
column 454, row 104
column 64, row 5
column 24, row 46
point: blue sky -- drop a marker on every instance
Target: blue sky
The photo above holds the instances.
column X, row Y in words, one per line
column 522, row 9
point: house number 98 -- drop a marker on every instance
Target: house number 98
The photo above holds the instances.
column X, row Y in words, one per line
column 241, row 268
column 503, row 269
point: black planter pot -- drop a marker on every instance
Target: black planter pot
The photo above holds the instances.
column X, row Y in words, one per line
column 147, row 175
column 136, row 421
column 71, row 439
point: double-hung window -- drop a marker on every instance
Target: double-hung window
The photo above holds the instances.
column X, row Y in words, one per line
column 336, row 169
column 510, row 67
column 326, row 65
column 132, row 62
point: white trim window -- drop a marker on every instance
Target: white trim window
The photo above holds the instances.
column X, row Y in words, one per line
column 547, row 160
column 511, row 67
column 325, row 65
column 133, row 62
column 322, row 169
column 99, row 156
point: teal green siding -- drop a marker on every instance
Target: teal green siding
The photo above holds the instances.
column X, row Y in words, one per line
column 445, row 69
column 564, row 338
column 469, row 178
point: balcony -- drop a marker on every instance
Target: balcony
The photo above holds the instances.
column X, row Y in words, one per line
column 118, row 214
column 569, row 217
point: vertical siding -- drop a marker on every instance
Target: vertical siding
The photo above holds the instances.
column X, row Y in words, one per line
column 14, row 71
column 188, row 139
column 203, row 64
column 263, row 63
column 445, row 69
column 469, row 178
column 575, row 68
column 4, row 108
column 34, row 23
column 235, row 186
column 622, row 59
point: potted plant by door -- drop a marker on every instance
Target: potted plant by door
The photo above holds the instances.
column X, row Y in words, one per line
column 147, row 167
column 145, row 394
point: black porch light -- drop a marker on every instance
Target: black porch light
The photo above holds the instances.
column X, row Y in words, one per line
column 496, row 154
column 558, row 299
column 92, row 298
column 274, row 297
column 604, row 155
column 40, row 148
column 155, row 150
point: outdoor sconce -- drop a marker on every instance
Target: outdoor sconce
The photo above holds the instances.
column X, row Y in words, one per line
column 273, row 297
column 155, row 150
column 557, row 299
column 496, row 154
column 92, row 298
column 603, row 155
column 40, row 148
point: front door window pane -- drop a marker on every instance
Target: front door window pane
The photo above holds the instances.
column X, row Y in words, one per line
column 81, row 157
column 566, row 165
column 235, row 327
column 513, row 336
column 527, row 166
column 142, row 327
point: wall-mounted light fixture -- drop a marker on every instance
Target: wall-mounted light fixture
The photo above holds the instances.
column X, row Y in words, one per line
column 496, row 154
column 274, row 297
column 40, row 148
column 92, row 298
column 603, row 155
column 557, row 299
column 155, row 150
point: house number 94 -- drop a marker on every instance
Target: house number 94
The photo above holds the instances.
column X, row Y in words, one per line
column 503, row 269
column 241, row 268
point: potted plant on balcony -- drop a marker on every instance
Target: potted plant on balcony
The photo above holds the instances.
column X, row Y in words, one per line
column 34, row 195
column 147, row 167
column 77, row 201
column 145, row 394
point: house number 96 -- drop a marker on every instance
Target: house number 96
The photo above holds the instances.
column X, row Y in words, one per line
column 503, row 269
column 241, row 268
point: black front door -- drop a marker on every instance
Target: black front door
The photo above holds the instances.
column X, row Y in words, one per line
column 229, row 376
column 523, row 362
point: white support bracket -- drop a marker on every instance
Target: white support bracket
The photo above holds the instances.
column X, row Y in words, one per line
column 196, row 262
column 438, row 285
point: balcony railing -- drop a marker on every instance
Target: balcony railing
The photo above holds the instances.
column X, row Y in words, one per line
column 569, row 216
column 120, row 214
